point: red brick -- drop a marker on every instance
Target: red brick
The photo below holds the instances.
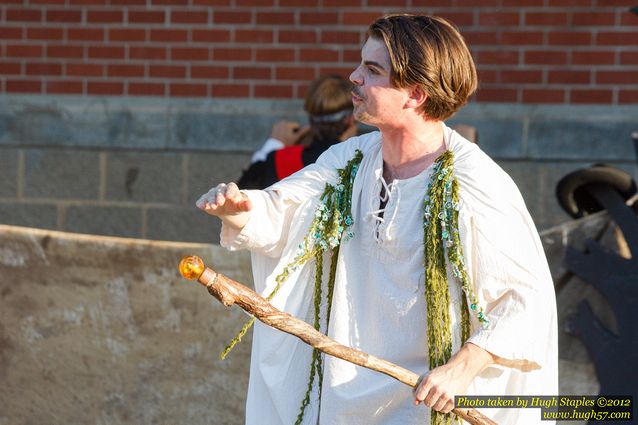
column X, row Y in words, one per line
column 546, row 18
column 232, row 17
column 594, row 18
column 85, row 34
column 296, row 74
column 591, row 96
column 227, row 54
column 64, row 15
column 106, row 52
column 211, row 2
column 341, row 37
column 88, row 2
column 391, row 3
column 478, row 38
column 127, row 2
column 319, row 18
column 272, row 91
column 478, row 3
column 617, row 38
column 64, row 87
column 146, row 89
column 104, row 16
column 521, row 76
column 541, row 57
column 496, row 95
column 617, row 3
column 359, row 18
column 24, row 50
column 251, row 72
column 13, row 33
column 275, row 55
column 211, row 36
column 593, row 58
column 299, row 3
column 571, row 3
column 342, row 3
column 230, row 90
column 543, row 96
column 431, row 3
column 47, row 1
column 127, row 34
column 169, row 35
column 458, row 18
column 146, row 16
column 254, row 36
column 568, row 77
column 188, row 90
column 44, row 69
column 189, row 53
column 167, row 71
column 125, row 70
column 522, row 38
column 254, row 3
column 10, row 68
column 629, row 58
column 351, row 55
column 41, row 33
column 487, row 76
column 275, row 18
column 209, row 72
column 24, row 15
column 570, row 38
column 65, row 51
column 24, row 86
column 628, row 96
column 523, row 3
column 343, row 71
column 150, row 53
column 297, row 36
column 499, row 57
column 84, row 70
column 106, row 88
column 320, row 55
column 189, row 17
column 498, row 18
column 617, row 77
column 169, row 2
column 629, row 19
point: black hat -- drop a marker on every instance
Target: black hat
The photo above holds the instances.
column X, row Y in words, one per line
column 573, row 194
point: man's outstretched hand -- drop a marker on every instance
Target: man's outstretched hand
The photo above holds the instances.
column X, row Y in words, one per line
column 228, row 203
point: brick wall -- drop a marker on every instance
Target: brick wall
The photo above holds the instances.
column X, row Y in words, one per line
column 528, row 51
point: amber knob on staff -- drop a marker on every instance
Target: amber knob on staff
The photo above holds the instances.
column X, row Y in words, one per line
column 191, row 267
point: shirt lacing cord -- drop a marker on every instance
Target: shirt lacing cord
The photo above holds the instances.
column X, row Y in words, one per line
column 378, row 215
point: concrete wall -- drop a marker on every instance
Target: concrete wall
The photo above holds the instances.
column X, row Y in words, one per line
column 135, row 166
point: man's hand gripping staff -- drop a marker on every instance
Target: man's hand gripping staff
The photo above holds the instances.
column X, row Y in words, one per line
column 230, row 292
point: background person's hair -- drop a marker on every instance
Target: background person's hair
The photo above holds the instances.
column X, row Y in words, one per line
column 329, row 105
column 429, row 52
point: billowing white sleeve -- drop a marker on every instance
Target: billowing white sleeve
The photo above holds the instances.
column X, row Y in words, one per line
column 508, row 271
column 276, row 209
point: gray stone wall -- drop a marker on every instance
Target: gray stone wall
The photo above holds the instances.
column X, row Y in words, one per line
column 135, row 166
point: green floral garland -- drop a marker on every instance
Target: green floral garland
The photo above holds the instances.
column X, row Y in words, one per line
column 333, row 218
column 441, row 237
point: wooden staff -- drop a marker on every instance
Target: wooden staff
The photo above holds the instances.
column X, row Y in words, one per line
column 230, row 292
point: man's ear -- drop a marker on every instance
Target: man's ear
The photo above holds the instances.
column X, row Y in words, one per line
column 417, row 97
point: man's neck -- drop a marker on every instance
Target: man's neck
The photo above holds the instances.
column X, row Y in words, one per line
column 409, row 150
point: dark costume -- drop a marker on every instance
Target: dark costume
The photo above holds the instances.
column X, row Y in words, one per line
column 281, row 163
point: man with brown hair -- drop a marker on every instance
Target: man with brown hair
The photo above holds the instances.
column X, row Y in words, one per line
column 329, row 107
column 408, row 243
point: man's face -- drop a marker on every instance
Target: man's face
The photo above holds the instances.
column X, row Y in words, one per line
column 376, row 101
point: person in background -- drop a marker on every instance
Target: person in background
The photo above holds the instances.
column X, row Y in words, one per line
column 329, row 107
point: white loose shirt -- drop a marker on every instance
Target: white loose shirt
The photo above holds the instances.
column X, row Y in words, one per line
column 379, row 305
